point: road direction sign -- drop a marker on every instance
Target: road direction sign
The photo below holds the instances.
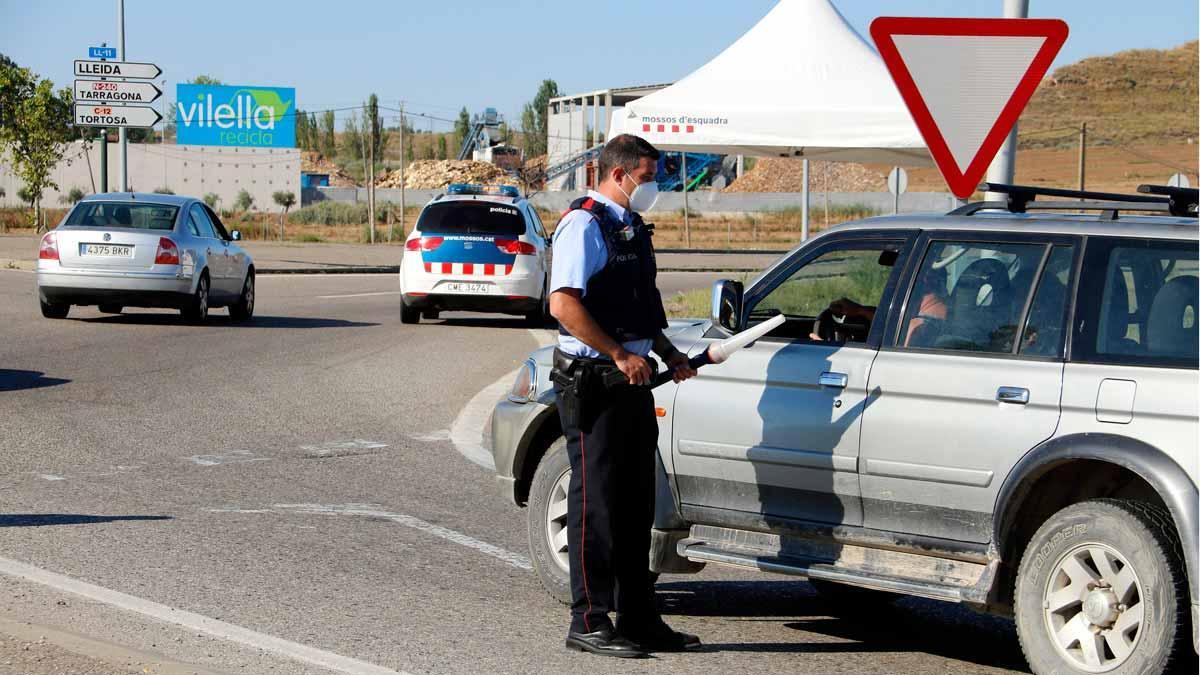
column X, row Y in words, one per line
column 103, row 115
column 102, row 53
column 113, row 91
column 142, row 71
column 965, row 82
column 897, row 181
column 1179, row 180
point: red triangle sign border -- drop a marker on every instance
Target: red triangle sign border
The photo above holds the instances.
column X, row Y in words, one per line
column 883, row 28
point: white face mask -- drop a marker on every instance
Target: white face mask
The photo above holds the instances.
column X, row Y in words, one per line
column 643, row 197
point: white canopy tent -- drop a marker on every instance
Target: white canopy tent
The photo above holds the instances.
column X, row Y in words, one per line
column 800, row 83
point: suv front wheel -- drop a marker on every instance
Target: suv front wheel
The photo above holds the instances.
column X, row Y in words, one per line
column 1101, row 589
column 548, row 521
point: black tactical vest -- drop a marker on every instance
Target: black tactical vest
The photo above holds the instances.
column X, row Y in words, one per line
column 623, row 297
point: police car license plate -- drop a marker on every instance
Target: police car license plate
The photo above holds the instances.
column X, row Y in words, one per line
column 465, row 287
column 111, row 250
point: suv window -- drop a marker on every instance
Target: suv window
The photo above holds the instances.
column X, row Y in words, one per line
column 969, row 296
column 1138, row 303
column 832, row 297
column 472, row 217
column 1045, row 327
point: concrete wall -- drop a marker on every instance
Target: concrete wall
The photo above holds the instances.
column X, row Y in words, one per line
column 186, row 169
column 708, row 203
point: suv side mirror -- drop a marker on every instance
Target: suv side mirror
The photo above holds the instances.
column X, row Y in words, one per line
column 235, row 235
column 727, row 304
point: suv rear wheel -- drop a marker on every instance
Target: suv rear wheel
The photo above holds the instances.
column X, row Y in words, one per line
column 54, row 310
column 409, row 314
column 1101, row 588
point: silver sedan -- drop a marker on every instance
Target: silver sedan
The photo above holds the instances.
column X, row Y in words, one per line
column 144, row 250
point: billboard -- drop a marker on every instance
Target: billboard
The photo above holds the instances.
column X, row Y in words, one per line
column 256, row 117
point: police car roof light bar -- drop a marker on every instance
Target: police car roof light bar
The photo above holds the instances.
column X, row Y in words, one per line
column 495, row 190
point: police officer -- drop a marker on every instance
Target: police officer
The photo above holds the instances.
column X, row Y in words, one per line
column 610, row 317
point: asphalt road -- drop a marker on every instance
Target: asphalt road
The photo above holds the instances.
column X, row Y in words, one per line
column 290, row 485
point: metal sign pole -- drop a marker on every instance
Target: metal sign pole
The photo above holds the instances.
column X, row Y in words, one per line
column 123, row 157
column 1003, row 167
column 804, row 203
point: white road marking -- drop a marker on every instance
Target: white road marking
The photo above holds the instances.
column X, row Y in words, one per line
column 356, row 295
column 467, row 431
column 337, row 448
column 193, row 621
column 238, row 510
column 50, row 476
column 234, row 457
column 373, row 511
column 432, row 436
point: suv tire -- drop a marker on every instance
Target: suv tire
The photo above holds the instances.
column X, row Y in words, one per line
column 546, row 490
column 1099, row 565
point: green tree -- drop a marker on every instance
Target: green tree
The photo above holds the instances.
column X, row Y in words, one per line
column 244, row 200
column 328, row 135
column 211, row 199
column 205, row 79
column 533, row 118
column 285, row 199
column 373, row 125
column 34, row 130
column 462, row 127
column 302, row 130
column 352, row 138
column 163, row 191
column 441, row 142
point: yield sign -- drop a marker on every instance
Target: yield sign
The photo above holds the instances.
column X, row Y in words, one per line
column 965, row 82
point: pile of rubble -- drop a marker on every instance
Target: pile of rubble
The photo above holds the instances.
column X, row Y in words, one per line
column 314, row 162
column 776, row 174
column 434, row 174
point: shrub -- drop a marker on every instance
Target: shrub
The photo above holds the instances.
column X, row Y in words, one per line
column 73, row 196
column 163, row 191
column 211, row 199
column 244, row 201
column 330, row 213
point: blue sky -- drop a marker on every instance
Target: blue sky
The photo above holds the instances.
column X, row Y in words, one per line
column 440, row 56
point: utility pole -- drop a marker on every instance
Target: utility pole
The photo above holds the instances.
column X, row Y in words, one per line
column 402, row 233
column 1003, row 167
column 123, row 157
column 1082, row 152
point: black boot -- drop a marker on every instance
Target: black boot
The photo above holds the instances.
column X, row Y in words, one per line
column 604, row 642
column 655, row 635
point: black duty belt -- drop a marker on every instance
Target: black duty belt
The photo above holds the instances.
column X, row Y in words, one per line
column 583, row 375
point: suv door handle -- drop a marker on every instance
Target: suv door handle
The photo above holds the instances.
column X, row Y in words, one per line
column 1012, row 395
column 836, row 380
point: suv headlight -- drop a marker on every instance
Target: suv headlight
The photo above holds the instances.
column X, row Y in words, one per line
column 524, row 388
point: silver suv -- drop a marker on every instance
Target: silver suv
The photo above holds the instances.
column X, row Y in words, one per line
column 994, row 407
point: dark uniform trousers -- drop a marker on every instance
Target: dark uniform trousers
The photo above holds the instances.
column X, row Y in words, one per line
column 610, row 507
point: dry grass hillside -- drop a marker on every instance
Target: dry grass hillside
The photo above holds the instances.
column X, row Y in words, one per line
column 1139, row 96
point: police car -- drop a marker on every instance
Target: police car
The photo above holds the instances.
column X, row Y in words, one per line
column 476, row 248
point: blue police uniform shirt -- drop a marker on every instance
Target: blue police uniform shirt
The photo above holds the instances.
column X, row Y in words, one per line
column 579, row 253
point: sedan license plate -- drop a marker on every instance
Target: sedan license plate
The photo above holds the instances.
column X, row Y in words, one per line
column 110, row 250
column 466, row 287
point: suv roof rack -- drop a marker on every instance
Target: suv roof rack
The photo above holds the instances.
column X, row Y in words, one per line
column 1020, row 198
